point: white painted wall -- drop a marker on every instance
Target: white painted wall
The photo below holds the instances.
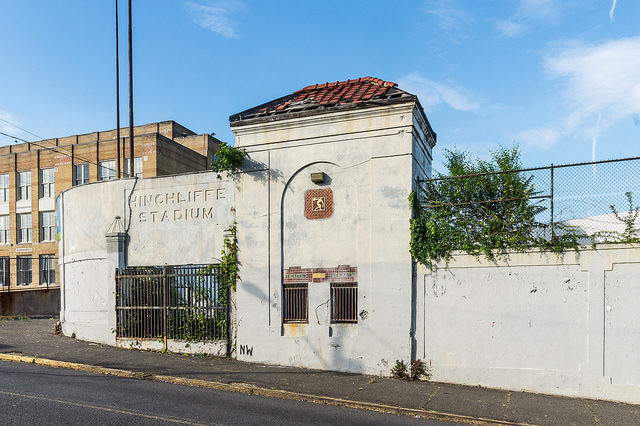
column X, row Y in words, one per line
column 370, row 157
column 158, row 234
column 535, row 322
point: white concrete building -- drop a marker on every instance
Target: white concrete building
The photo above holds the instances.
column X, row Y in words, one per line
column 323, row 225
column 329, row 286
column 327, row 280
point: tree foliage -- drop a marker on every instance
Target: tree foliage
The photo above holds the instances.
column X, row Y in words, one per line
column 629, row 219
column 228, row 158
column 480, row 207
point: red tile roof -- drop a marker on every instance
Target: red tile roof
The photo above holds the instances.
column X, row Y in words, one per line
column 367, row 91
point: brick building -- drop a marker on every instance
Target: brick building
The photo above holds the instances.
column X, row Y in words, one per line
column 31, row 176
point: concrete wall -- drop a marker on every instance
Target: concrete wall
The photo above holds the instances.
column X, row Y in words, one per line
column 171, row 220
column 533, row 321
column 368, row 157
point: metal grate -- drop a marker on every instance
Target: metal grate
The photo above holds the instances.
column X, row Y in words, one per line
column 344, row 303
column 174, row 302
column 296, row 305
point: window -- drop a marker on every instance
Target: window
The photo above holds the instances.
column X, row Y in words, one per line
column 24, row 270
column 24, row 228
column 137, row 167
column 80, row 174
column 296, row 306
column 24, row 185
column 4, row 229
column 4, row 187
column 47, row 186
column 344, row 303
column 47, row 270
column 47, row 226
column 4, row 271
column 107, row 170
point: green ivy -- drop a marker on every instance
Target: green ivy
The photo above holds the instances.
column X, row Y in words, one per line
column 228, row 159
column 229, row 275
column 229, row 257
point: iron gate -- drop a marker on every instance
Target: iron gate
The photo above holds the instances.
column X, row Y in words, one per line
column 186, row 302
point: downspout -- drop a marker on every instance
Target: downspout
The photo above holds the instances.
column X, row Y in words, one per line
column 61, row 262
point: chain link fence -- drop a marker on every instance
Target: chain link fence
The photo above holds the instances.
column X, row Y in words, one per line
column 588, row 203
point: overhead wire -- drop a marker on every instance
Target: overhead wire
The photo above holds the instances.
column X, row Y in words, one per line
column 54, row 149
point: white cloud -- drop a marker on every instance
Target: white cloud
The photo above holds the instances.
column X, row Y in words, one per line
column 214, row 16
column 449, row 14
column 6, row 127
column 542, row 138
column 508, row 28
column 432, row 93
column 612, row 10
column 599, row 79
column 540, row 10
column 600, row 87
column 530, row 13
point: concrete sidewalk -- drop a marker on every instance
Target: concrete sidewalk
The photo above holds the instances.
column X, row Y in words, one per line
column 464, row 403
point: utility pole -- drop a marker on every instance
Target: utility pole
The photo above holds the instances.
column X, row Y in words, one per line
column 117, row 98
column 131, row 173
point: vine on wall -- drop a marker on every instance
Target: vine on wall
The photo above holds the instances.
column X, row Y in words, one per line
column 228, row 159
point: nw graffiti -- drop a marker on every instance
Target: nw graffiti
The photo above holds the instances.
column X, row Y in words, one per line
column 245, row 349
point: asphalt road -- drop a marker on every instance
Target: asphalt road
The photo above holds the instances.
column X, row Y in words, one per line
column 37, row 395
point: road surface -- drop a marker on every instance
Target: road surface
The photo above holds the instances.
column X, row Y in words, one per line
column 36, row 395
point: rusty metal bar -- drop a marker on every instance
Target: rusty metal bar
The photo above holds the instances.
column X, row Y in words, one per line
column 296, row 307
column 344, row 302
column 170, row 302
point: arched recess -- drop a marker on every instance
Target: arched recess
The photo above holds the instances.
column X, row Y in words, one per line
column 326, row 242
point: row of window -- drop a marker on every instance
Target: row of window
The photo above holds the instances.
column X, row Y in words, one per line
column 47, row 186
column 24, row 225
column 106, row 171
column 24, row 274
column 343, row 298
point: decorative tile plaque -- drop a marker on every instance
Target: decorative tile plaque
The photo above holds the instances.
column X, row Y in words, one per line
column 318, row 203
column 341, row 274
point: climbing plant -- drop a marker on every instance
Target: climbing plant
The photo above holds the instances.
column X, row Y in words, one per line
column 228, row 159
column 481, row 207
column 628, row 219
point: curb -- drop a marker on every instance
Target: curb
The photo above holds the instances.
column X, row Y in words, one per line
column 256, row 390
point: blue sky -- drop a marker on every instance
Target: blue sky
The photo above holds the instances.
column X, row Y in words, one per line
column 559, row 78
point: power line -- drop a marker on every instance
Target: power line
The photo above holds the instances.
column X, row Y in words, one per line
column 20, row 128
column 70, row 154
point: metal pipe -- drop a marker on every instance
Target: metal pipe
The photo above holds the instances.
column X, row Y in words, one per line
column 117, row 98
column 551, row 197
column 131, row 174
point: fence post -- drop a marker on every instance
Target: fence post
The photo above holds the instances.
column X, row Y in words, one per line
column 165, row 304
column 229, row 326
column 552, row 233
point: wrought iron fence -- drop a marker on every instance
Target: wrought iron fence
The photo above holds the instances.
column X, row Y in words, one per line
column 594, row 201
column 171, row 302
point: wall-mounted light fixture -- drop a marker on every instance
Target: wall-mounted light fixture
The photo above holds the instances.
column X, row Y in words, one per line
column 317, row 177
